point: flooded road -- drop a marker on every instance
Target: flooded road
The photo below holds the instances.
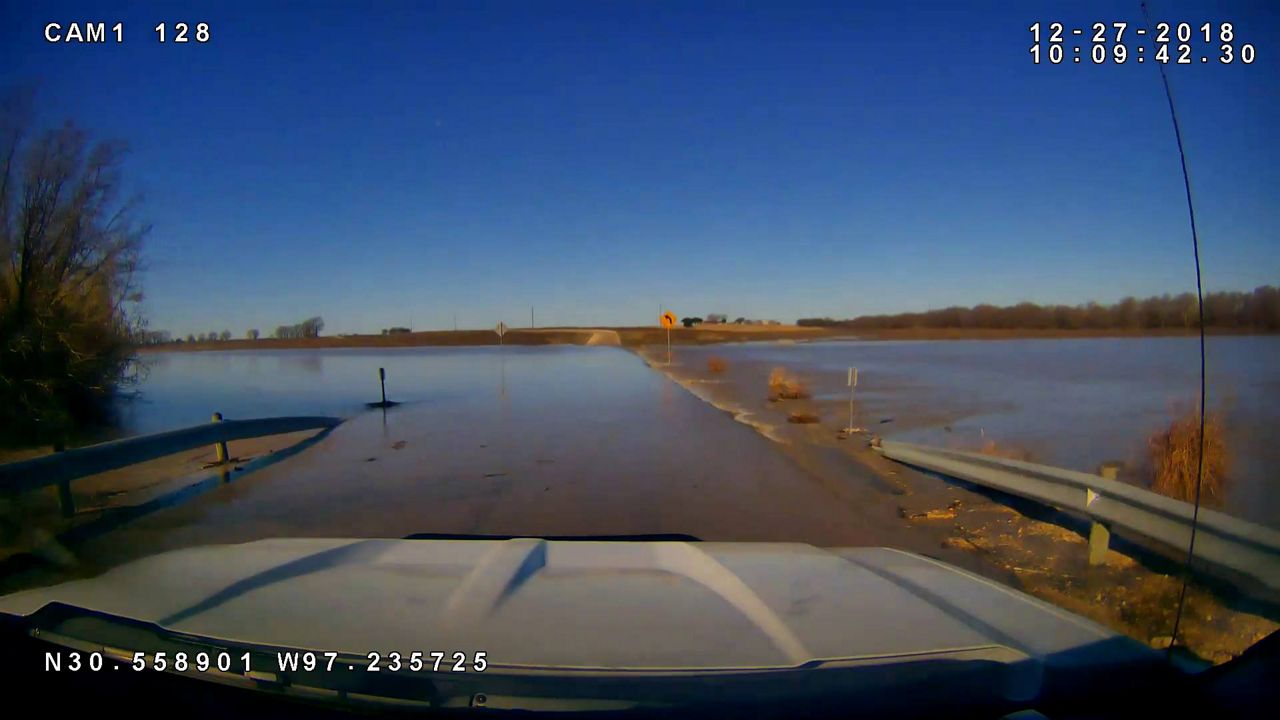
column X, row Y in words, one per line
column 559, row 440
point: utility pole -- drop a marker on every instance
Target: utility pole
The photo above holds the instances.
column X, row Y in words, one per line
column 455, row 322
column 531, row 323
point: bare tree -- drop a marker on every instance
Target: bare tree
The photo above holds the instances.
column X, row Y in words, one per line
column 252, row 334
column 311, row 327
column 308, row 328
column 225, row 335
column 69, row 262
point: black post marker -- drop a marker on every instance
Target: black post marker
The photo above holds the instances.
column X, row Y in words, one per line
column 382, row 378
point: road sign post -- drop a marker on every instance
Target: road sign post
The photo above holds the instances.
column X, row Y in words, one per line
column 668, row 321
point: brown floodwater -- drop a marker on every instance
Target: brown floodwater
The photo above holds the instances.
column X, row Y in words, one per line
column 538, row 441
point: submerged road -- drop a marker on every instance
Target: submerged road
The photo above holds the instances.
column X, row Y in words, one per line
column 564, row 441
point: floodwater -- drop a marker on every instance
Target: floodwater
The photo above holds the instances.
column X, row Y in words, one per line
column 526, row 441
column 1073, row 403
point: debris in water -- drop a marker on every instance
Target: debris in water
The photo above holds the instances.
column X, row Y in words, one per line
column 947, row 514
column 398, row 445
column 958, row 543
column 784, row 386
column 885, row 420
column 494, row 475
column 802, row 418
column 370, row 459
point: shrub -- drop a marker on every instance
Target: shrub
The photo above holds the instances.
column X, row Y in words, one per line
column 1004, row 451
column 784, row 386
column 717, row 364
column 1175, row 452
column 69, row 256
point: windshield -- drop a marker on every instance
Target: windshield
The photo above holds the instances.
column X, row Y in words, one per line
column 992, row 286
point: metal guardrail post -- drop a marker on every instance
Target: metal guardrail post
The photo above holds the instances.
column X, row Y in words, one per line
column 1099, row 543
column 1099, row 533
column 220, row 448
column 65, row 499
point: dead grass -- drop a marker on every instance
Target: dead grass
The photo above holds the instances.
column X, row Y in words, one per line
column 785, row 386
column 717, row 364
column 1004, row 451
column 1175, row 451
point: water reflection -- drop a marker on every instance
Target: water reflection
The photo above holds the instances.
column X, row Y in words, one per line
column 306, row 362
column 183, row 389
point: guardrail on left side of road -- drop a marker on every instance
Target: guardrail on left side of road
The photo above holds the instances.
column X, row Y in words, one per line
column 62, row 468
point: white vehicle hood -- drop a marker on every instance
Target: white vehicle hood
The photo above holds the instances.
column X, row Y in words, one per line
column 607, row 605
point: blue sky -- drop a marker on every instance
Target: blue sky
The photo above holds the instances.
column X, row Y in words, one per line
column 384, row 163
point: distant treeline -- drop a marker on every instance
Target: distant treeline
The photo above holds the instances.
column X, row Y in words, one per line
column 308, row 328
column 1257, row 310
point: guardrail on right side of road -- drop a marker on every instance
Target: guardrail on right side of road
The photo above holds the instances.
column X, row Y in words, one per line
column 1221, row 540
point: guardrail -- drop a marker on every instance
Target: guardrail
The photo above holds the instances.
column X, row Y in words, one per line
column 62, row 468
column 1221, row 540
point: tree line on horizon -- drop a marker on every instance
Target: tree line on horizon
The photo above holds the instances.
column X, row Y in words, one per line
column 308, row 328
column 1239, row 310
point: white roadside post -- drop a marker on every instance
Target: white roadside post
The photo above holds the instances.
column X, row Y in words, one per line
column 501, row 329
column 853, row 383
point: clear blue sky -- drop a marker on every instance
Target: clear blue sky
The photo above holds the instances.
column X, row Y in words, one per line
column 383, row 163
